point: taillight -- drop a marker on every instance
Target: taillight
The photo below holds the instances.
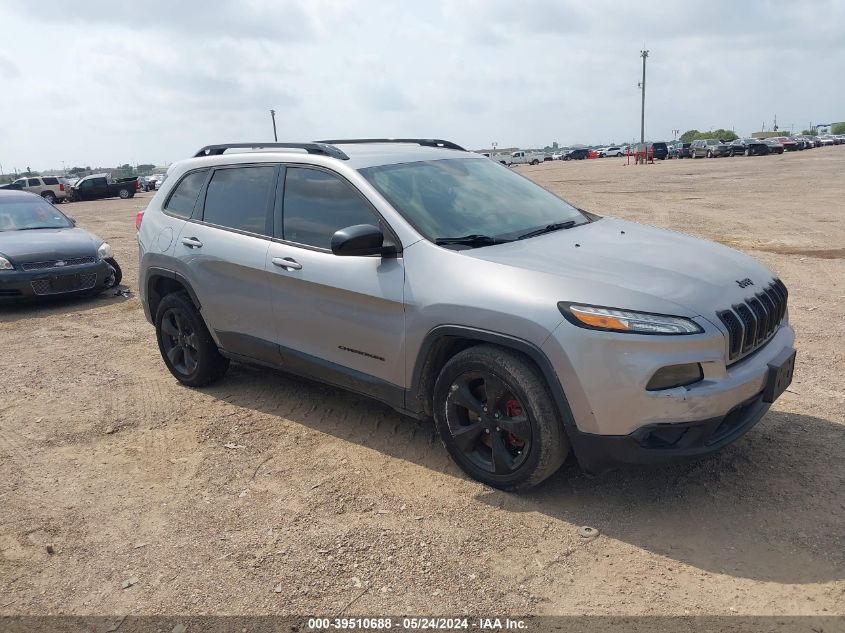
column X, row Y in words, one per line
column 61, row 186
column 137, row 185
column 138, row 219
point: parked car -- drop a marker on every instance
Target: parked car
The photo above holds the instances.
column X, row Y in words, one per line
column 826, row 140
column 661, row 150
column 839, row 139
column 683, row 150
column 789, row 145
column 44, row 254
column 775, row 147
column 749, row 147
column 612, row 150
column 709, row 148
column 51, row 188
column 522, row 157
column 98, row 186
column 496, row 324
column 580, row 153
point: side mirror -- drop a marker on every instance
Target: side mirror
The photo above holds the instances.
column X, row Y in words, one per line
column 360, row 239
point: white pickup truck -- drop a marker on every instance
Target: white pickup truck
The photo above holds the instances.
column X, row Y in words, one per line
column 521, row 157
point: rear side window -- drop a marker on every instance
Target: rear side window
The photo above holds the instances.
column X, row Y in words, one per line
column 183, row 198
column 238, row 198
column 51, row 181
column 317, row 204
column 33, row 182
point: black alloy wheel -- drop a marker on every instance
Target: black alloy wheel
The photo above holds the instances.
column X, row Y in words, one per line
column 186, row 345
column 179, row 342
column 497, row 418
column 488, row 423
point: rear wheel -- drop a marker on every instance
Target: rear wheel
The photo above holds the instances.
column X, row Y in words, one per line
column 535, row 162
column 124, row 193
column 49, row 196
column 497, row 418
column 185, row 343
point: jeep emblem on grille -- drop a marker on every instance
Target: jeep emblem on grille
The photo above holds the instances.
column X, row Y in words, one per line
column 744, row 283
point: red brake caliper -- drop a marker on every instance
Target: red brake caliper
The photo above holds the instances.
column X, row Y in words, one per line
column 513, row 409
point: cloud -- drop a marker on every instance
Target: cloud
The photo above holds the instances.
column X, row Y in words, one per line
column 156, row 81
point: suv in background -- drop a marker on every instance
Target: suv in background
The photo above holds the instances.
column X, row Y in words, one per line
column 660, row 150
column 611, row 151
column 52, row 188
column 450, row 287
column 709, row 148
column 580, row 153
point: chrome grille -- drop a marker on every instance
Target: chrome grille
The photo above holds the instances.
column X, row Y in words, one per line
column 65, row 283
column 74, row 261
column 753, row 322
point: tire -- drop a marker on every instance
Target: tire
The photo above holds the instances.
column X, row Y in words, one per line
column 117, row 274
column 180, row 328
column 49, row 196
column 748, row 152
column 125, row 193
column 535, row 162
column 534, row 448
column 709, row 154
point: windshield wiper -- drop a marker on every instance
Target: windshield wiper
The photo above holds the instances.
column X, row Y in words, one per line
column 470, row 240
column 557, row 226
column 33, row 228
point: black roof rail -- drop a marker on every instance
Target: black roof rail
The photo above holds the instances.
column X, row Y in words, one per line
column 425, row 142
column 322, row 149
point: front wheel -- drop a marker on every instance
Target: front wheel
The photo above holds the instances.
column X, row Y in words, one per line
column 185, row 343
column 709, row 154
column 115, row 273
column 497, row 418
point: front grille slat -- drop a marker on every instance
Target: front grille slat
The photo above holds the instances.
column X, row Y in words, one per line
column 82, row 281
column 753, row 322
column 54, row 263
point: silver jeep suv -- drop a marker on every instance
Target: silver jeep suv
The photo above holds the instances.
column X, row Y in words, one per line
column 450, row 287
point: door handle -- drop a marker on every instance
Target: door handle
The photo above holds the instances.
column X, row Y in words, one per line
column 287, row 263
column 191, row 242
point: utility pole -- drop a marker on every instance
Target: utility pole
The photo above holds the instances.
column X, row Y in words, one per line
column 644, row 55
column 273, row 116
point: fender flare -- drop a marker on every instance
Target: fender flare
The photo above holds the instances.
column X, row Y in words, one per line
column 533, row 352
column 155, row 271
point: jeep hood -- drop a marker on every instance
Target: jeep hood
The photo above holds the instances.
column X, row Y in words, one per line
column 47, row 244
column 623, row 264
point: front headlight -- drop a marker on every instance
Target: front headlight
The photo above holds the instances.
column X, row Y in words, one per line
column 5, row 264
column 104, row 251
column 615, row 320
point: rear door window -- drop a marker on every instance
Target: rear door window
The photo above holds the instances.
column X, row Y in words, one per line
column 51, row 181
column 239, row 198
column 33, row 182
column 184, row 197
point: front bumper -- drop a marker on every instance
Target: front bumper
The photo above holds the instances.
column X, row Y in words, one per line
column 17, row 285
column 664, row 442
column 604, row 377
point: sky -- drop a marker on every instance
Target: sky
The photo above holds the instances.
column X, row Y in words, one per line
column 106, row 83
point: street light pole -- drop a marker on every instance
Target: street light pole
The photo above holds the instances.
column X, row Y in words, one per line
column 273, row 116
column 644, row 55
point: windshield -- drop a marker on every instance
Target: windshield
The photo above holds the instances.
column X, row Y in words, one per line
column 468, row 196
column 23, row 213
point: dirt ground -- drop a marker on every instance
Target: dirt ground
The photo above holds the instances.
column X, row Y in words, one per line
column 274, row 495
